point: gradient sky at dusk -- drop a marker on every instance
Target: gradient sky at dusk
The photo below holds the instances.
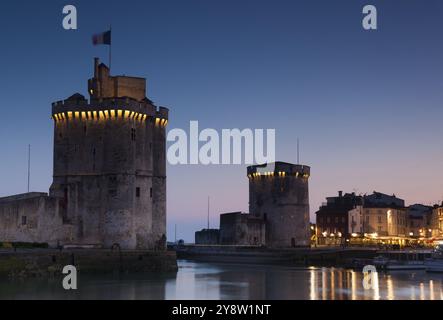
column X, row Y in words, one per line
column 367, row 106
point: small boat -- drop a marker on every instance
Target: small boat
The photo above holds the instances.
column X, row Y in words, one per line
column 400, row 260
column 435, row 263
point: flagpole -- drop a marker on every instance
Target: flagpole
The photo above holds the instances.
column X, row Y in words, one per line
column 110, row 49
column 29, row 165
column 208, row 212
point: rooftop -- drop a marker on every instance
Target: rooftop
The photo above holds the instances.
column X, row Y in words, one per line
column 23, row 196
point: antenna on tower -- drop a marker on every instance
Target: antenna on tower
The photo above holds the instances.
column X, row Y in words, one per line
column 298, row 151
column 208, row 212
column 29, row 165
column 110, row 48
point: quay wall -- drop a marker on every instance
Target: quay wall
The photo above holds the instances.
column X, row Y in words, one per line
column 259, row 254
column 48, row 262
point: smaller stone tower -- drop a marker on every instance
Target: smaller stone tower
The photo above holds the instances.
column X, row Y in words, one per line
column 278, row 193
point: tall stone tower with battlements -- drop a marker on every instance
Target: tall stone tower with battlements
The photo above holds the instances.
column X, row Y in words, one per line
column 110, row 164
column 279, row 195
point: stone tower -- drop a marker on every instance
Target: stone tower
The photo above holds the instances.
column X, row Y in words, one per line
column 278, row 193
column 110, row 163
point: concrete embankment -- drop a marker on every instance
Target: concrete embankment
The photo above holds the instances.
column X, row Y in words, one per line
column 49, row 262
column 293, row 256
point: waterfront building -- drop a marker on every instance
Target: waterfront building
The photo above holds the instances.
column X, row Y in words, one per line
column 109, row 172
column 332, row 218
column 419, row 221
column 237, row 228
column 207, row 236
column 384, row 216
column 348, row 218
column 436, row 222
column 355, row 221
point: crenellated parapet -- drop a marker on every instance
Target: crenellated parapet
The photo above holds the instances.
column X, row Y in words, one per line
column 278, row 169
column 77, row 107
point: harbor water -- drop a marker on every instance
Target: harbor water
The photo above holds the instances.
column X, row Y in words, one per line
column 198, row 280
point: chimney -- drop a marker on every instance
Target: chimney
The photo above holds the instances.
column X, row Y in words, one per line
column 340, row 194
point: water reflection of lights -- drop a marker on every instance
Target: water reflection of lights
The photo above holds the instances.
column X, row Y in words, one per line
column 332, row 284
column 313, row 285
column 339, row 284
column 354, row 285
column 323, row 283
column 422, row 291
column 376, row 286
column 390, row 287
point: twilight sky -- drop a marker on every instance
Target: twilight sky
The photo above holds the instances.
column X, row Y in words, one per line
column 367, row 106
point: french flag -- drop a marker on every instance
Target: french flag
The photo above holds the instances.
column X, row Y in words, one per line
column 102, row 38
